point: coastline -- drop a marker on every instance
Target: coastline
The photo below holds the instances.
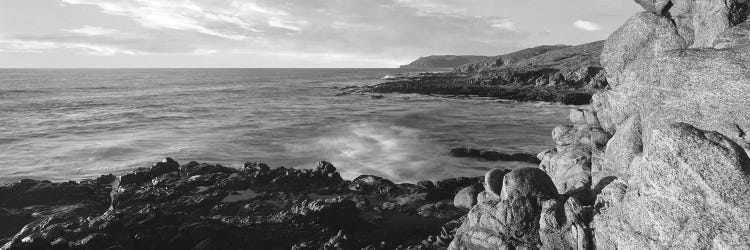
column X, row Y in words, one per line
column 173, row 206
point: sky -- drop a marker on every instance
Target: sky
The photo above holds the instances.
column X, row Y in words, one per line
column 289, row 33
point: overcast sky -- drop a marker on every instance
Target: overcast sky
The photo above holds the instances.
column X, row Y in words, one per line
column 289, row 33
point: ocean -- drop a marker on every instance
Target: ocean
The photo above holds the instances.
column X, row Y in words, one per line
column 70, row 124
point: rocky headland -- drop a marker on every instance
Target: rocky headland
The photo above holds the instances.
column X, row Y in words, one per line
column 658, row 160
column 442, row 61
column 556, row 73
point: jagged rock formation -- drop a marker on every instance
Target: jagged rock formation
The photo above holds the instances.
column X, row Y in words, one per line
column 660, row 161
column 442, row 61
column 209, row 206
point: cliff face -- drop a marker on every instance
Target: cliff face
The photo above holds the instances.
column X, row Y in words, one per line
column 442, row 61
column 659, row 161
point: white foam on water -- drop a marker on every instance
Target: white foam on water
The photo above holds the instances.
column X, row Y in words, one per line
column 398, row 153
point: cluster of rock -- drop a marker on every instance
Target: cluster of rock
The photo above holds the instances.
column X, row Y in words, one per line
column 209, row 206
column 490, row 155
column 555, row 73
column 660, row 161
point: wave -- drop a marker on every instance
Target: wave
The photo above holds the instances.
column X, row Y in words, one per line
column 395, row 152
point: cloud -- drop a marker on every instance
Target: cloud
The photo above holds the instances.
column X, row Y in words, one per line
column 504, row 24
column 283, row 24
column 587, row 25
column 168, row 14
column 372, row 33
column 88, row 30
column 26, row 46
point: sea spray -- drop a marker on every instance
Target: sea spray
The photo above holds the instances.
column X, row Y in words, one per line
column 399, row 153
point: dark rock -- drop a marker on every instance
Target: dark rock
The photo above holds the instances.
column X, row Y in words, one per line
column 337, row 213
column 95, row 241
column 166, row 166
column 201, row 232
column 199, row 208
column 365, row 184
column 426, row 184
column 138, row 176
column 203, row 168
column 105, row 179
column 474, row 153
column 493, row 155
column 459, row 152
column 467, row 197
column 325, row 167
column 490, row 156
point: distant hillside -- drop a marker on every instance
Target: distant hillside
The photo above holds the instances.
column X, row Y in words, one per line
column 553, row 73
column 507, row 59
column 442, row 61
column 558, row 65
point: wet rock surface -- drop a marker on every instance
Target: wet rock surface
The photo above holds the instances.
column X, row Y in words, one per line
column 209, row 206
column 489, row 155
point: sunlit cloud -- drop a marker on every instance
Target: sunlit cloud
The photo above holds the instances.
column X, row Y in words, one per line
column 587, row 26
column 44, row 46
column 89, row 30
column 505, row 24
column 283, row 24
column 177, row 15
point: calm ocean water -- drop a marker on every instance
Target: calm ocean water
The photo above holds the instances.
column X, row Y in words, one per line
column 79, row 123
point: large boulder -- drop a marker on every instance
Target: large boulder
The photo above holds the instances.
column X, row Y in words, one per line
column 513, row 220
column 688, row 191
column 570, row 170
column 467, row 197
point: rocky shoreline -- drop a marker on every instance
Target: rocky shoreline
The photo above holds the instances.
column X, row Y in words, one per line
column 559, row 74
column 657, row 161
column 209, row 206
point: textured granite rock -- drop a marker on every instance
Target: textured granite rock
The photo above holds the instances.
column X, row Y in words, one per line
column 687, row 191
column 511, row 221
column 467, row 197
column 643, row 35
column 621, row 149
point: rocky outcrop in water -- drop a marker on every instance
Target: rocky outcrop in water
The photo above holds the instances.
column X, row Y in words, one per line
column 558, row 73
column 442, row 61
column 660, row 161
column 209, row 206
column 489, row 155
